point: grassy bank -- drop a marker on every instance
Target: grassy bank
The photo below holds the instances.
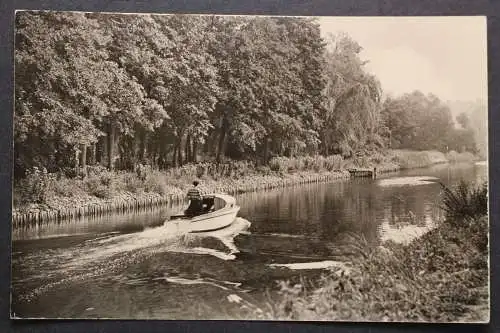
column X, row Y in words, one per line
column 440, row 277
column 400, row 159
column 44, row 196
column 407, row 159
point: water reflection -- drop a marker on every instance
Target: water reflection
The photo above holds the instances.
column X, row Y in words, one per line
column 128, row 222
column 363, row 206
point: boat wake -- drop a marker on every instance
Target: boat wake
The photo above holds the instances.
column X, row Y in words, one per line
column 224, row 285
column 312, row 265
column 110, row 252
column 407, row 181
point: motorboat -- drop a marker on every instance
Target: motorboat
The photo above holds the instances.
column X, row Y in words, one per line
column 219, row 211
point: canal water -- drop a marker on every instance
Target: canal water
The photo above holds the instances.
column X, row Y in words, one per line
column 137, row 266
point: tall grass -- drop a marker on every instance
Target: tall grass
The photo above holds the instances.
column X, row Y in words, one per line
column 455, row 157
column 306, row 163
column 408, row 159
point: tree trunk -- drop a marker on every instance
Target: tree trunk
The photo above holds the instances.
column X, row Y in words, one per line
column 194, row 150
column 156, row 152
column 180, row 149
column 174, row 156
column 221, row 143
column 77, row 158
column 266, row 150
column 188, row 149
column 143, row 147
column 179, row 154
column 84, row 159
column 93, row 151
column 102, row 151
column 111, row 146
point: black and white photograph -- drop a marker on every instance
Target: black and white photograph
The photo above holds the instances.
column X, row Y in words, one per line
column 271, row 168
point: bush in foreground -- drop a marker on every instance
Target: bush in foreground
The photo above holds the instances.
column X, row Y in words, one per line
column 465, row 203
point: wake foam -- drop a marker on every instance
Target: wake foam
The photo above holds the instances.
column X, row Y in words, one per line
column 407, row 181
column 224, row 285
column 312, row 265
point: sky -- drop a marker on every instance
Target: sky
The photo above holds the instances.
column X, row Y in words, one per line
column 446, row 56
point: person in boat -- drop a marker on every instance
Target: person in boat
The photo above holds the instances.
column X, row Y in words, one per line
column 195, row 200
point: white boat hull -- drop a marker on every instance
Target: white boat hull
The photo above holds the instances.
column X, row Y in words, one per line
column 224, row 214
column 205, row 224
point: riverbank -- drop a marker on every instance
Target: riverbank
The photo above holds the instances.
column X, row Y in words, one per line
column 123, row 198
column 442, row 276
column 43, row 197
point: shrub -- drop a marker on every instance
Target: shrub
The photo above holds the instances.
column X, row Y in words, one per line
column 263, row 170
column 279, row 164
column 67, row 187
column 36, row 187
column 333, row 162
column 156, row 183
column 306, row 163
column 465, row 202
column 243, row 168
column 101, row 182
column 133, row 184
column 479, row 238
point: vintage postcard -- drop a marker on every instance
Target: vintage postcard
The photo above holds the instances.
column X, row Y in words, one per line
column 250, row 167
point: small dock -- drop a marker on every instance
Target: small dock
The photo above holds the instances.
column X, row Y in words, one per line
column 361, row 172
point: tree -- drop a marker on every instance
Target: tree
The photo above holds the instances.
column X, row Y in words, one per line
column 352, row 106
column 417, row 121
column 463, row 120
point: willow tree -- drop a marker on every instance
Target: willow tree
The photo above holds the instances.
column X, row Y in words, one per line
column 352, row 105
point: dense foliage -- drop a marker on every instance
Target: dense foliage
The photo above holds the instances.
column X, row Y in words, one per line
column 165, row 90
column 416, row 121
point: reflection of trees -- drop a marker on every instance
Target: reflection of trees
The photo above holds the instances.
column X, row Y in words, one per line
column 295, row 209
column 409, row 205
column 328, row 211
column 357, row 211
